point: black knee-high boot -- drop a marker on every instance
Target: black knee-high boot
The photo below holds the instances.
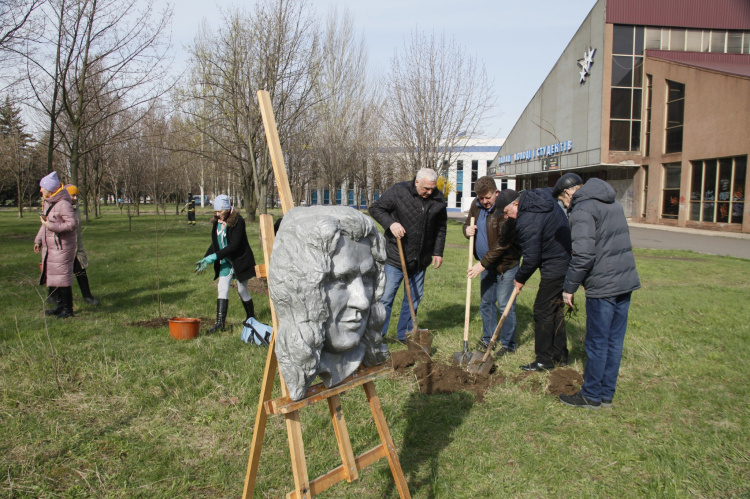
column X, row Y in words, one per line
column 66, row 297
column 53, row 298
column 83, row 283
column 249, row 308
column 222, row 304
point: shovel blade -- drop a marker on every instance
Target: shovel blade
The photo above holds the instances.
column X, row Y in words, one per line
column 476, row 366
column 462, row 358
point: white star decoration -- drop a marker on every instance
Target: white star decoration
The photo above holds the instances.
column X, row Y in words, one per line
column 586, row 62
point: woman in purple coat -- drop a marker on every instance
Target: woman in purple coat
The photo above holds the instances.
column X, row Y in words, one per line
column 57, row 240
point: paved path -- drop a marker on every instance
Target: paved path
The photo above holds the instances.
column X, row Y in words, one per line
column 677, row 238
column 700, row 241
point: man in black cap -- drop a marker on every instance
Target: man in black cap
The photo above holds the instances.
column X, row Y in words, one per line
column 544, row 234
column 498, row 251
column 604, row 264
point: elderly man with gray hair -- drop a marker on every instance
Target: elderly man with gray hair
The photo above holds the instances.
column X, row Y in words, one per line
column 415, row 212
column 325, row 278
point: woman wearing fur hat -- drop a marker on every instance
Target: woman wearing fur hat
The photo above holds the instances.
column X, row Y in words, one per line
column 232, row 258
column 57, row 241
column 81, row 261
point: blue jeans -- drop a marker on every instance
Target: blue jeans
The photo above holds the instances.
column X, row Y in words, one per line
column 495, row 290
column 393, row 278
column 606, row 321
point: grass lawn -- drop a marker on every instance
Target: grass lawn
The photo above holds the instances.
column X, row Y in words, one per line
column 98, row 406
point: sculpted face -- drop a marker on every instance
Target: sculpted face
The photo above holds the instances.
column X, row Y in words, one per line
column 349, row 294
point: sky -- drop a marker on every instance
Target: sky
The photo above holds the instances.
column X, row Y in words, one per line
column 517, row 41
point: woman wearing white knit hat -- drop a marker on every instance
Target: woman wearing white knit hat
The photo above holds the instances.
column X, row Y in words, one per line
column 232, row 258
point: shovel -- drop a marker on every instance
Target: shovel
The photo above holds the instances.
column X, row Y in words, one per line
column 480, row 363
column 416, row 336
column 463, row 358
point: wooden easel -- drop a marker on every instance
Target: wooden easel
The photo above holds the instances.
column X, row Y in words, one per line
column 349, row 469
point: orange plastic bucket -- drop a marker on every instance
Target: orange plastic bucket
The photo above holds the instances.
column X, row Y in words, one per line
column 184, row 328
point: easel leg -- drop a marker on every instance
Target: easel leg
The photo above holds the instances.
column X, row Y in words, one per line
column 259, row 430
column 342, row 437
column 385, row 438
column 297, row 451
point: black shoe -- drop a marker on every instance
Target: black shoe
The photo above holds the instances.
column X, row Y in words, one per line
column 222, row 304
column 53, row 297
column 482, row 346
column 91, row 300
column 66, row 302
column 562, row 363
column 249, row 309
column 578, row 400
column 607, row 403
column 503, row 351
column 538, row 366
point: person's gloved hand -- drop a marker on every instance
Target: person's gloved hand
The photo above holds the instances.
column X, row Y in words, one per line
column 201, row 265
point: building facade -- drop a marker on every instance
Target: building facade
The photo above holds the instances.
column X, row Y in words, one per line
column 467, row 166
column 651, row 96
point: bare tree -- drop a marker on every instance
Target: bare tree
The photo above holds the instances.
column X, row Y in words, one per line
column 17, row 26
column 341, row 94
column 102, row 58
column 272, row 48
column 438, row 97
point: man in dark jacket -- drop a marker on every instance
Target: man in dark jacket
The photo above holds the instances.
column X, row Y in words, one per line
column 414, row 212
column 604, row 264
column 498, row 251
column 545, row 241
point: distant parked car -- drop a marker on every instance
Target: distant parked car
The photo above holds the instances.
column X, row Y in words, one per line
column 206, row 201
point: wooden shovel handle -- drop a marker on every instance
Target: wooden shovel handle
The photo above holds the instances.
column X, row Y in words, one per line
column 406, row 283
column 500, row 323
column 468, row 286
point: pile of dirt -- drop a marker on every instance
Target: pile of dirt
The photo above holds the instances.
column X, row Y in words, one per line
column 567, row 381
column 257, row 286
column 436, row 377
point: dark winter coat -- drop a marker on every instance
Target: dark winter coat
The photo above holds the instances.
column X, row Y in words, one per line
column 504, row 247
column 603, row 258
column 237, row 250
column 544, row 234
column 425, row 222
column 58, row 242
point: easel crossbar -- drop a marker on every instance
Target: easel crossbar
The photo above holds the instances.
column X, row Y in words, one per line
column 338, row 474
column 318, row 392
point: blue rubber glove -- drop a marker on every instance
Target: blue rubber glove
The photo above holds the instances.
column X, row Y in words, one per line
column 201, row 265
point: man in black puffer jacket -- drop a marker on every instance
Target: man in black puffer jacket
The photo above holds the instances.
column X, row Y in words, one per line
column 545, row 243
column 415, row 212
column 604, row 264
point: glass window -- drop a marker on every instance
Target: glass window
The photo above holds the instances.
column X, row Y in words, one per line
column 635, row 136
column 675, row 116
column 717, row 190
column 621, row 103
column 738, row 190
column 637, row 104
column 638, row 40
column 653, row 38
column 649, row 90
column 622, row 71
column 694, row 38
column 671, row 194
column 638, row 72
column 734, row 42
column 717, row 41
column 619, row 135
column 746, row 43
column 677, row 39
column 622, row 40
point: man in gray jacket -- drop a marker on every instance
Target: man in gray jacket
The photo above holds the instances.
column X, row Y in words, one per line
column 604, row 264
